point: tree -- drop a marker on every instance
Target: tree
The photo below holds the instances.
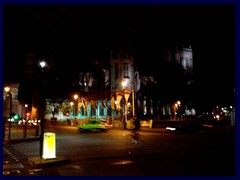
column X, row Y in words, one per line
column 25, row 91
column 172, row 82
column 53, row 106
column 65, row 107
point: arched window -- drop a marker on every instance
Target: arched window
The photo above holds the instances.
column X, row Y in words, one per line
column 126, row 70
column 187, row 63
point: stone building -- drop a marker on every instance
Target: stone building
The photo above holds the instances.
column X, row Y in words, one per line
column 116, row 91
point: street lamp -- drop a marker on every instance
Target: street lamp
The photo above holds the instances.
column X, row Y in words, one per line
column 71, row 104
column 124, row 110
column 178, row 104
column 25, row 127
column 75, row 98
column 26, row 106
column 8, row 93
column 124, row 84
column 42, row 64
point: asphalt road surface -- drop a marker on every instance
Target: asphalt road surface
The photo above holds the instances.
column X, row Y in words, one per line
column 109, row 154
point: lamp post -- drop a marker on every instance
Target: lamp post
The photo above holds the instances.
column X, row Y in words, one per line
column 124, row 84
column 26, row 106
column 71, row 104
column 75, row 107
column 42, row 64
column 124, row 109
column 178, row 104
column 8, row 93
column 25, row 125
column 133, row 102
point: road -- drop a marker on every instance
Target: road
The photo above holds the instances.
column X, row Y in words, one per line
column 108, row 154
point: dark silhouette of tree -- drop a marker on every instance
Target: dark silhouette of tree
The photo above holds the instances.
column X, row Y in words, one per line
column 172, row 82
column 98, row 75
column 25, row 91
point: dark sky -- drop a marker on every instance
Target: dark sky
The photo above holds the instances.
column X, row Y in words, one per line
column 73, row 33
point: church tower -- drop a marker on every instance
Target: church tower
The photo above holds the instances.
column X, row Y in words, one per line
column 184, row 56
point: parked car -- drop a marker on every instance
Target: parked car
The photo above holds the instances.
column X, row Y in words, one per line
column 94, row 125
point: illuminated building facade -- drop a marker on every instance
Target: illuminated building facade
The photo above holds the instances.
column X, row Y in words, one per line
column 103, row 95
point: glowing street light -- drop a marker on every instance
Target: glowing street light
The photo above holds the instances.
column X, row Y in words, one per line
column 42, row 64
column 25, row 127
column 8, row 93
column 124, row 109
column 75, row 98
column 124, row 84
column 26, row 106
column 7, row 89
column 178, row 104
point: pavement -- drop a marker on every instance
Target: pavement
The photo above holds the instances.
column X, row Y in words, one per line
column 38, row 162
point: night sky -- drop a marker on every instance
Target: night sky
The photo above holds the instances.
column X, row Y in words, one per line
column 76, row 34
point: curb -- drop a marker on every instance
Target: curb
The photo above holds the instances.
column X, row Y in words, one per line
column 38, row 162
column 11, row 141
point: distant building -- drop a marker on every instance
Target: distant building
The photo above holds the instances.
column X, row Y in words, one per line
column 153, row 101
column 102, row 94
column 183, row 55
column 16, row 107
column 124, row 84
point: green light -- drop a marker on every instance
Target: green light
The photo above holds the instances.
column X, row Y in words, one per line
column 16, row 116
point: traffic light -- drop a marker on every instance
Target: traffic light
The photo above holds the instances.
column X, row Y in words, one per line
column 67, row 114
column 28, row 114
column 16, row 117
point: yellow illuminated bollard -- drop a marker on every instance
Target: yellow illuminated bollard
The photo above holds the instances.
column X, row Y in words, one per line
column 49, row 146
column 150, row 123
column 128, row 124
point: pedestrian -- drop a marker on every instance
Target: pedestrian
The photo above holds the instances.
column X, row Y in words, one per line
column 136, row 123
column 68, row 121
column 135, row 134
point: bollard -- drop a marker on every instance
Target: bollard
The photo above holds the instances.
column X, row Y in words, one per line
column 128, row 124
column 49, row 146
column 150, row 123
